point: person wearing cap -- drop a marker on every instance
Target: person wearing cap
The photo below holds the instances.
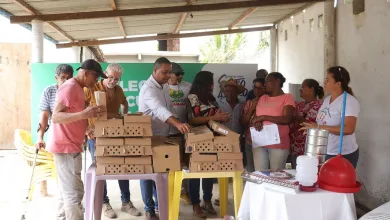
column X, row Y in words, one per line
column 260, row 74
column 63, row 72
column 69, row 126
column 116, row 99
column 231, row 104
column 178, row 91
column 155, row 102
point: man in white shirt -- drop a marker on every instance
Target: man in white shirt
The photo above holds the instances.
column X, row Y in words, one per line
column 157, row 103
column 178, row 91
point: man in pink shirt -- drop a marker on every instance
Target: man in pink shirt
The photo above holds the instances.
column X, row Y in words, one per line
column 68, row 132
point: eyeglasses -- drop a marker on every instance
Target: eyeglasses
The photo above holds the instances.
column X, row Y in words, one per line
column 180, row 73
column 113, row 78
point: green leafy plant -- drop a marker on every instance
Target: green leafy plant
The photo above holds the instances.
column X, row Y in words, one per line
column 222, row 48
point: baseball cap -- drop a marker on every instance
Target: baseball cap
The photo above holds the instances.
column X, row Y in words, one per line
column 176, row 68
column 93, row 65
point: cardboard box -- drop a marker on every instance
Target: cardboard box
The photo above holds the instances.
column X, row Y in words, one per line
column 230, row 156
column 198, row 157
column 223, row 130
column 166, row 154
column 138, row 146
column 109, row 128
column 114, row 169
column 200, row 139
column 109, row 169
column 203, row 166
column 101, row 99
column 124, row 165
column 137, row 125
column 143, row 160
column 225, row 140
column 110, row 160
column 230, row 165
column 110, row 141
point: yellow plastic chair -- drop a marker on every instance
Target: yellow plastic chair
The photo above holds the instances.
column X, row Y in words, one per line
column 45, row 167
column 175, row 190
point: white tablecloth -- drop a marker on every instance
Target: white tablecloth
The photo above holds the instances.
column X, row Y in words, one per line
column 260, row 202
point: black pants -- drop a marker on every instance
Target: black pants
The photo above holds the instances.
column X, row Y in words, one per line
column 352, row 157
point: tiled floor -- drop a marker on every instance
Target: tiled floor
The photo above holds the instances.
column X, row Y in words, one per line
column 14, row 180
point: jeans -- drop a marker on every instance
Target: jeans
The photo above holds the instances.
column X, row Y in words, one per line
column 250, row 167
column 352, row 157
column 71, row 186
column 124, row 185
column 148, row 191
column 194, row 188
column 270, row 158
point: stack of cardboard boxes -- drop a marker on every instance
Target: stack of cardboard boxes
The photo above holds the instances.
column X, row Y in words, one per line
column 214, row 151
column 125, row 145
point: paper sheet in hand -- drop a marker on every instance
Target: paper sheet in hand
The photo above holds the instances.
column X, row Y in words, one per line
column 268, row 136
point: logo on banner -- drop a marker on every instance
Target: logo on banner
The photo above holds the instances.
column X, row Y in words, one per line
column 240, row 80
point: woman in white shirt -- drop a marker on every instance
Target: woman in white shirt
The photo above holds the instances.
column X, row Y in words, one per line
column 329, row 115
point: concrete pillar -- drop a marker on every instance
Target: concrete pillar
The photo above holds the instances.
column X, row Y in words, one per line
column 76, row 54
column 329, row 34
column 37, row 41
column 273, row 49
column 173, row 44
column 87, row 54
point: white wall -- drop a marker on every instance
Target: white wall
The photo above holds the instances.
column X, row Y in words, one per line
column 363, row 47
column 301, row 56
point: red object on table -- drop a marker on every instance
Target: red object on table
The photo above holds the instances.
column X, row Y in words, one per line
column 338, row 175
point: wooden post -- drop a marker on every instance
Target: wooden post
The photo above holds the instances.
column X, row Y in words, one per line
column 329, row 35
column 273, row 49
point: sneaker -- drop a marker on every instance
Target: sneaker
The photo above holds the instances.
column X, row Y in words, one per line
column 208, row 207
column 185, row 197
column 216, row 202
column 156, row 210
column 198, row 212
column 108, row 211
column 151, row 215
column 129, row 208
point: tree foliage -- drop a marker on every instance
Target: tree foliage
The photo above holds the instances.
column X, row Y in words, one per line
column 222, row 48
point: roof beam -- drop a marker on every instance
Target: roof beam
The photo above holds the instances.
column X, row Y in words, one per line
column 33, row 11
column 182, row 19
column 153, row 11
column 160, row 37
column 242, row 17
column 119, row 19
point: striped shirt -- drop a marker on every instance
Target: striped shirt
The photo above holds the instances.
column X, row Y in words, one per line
column 48, row 99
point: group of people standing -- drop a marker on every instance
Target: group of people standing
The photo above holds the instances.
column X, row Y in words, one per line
column 174, row 105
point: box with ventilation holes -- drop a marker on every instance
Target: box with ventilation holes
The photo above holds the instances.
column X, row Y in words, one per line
column 216, row 162
column 109, row 128
column 137, row 125
column 123, row 165
column 123, row 146
column 225, row 140
column 200, row 139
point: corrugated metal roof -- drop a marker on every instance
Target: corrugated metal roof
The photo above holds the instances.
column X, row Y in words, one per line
column 147, row 24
